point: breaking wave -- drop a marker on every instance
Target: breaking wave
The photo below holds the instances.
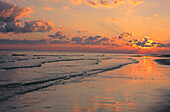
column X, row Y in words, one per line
column 24, row 73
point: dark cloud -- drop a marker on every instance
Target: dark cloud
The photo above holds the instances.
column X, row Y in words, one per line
column 162, row 45
column 10, row 20
column 59, row 35
column 15, row 41
column 124, row 39
column 124, row 35
column 168, row 45
column 92, row 40
column 61, row 38
column 10, row 12
column 118, row 1
column 59, row 42
column 38, row 26
column 97, row 40
column 85, row 31
column 107, row 3
column 29, row 26
column 77, row 40
column 146, row 42
column 91, row 3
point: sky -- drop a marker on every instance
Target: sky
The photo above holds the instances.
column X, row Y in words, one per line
column 118, row 26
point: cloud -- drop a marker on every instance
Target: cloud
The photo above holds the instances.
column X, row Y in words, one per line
column 125, row 35
column 145, row 42
column 168, row 45
column 66, row 8
column 60, row 38
column 15, row 41
column 59, row 42
column 118, row 1
column 58, row 35
column 47, row 8
column 106, row 3
column 77, row 2
column 156, row 15
column 91, row 3
column 125, row 40
column 135, row 2
column 29, row 26
column 10, row 20
column 38, row 26
column 10, row 12
column 96, row 40
column 77, row 40
column 122, row 40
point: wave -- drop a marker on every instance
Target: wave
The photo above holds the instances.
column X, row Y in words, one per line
column 38, row 65
column 58, row 55
column 14, row 89
column 18, row 55
column 19, row 59
column 44, row 62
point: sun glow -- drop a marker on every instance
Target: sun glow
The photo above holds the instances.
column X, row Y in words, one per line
column 145, row 43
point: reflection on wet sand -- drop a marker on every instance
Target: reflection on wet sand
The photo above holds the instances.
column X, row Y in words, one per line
column 100, row 103
column 128, row 95
column 148, row 70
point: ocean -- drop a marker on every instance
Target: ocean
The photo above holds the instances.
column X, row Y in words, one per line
column 26, row 77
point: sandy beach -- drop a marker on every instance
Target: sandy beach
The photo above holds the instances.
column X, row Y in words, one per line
column 163, row 61
column 137, row 87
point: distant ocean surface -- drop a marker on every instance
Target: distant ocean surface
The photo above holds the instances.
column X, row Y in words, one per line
column 28, row 71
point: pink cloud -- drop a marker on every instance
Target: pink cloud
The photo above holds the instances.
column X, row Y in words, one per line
column 10, row 20
column 47, row 8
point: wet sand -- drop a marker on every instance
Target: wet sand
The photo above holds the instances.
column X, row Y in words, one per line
column 142, row 87
column 163, row 61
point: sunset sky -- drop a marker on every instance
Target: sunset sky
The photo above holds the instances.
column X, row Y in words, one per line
column 127, row 26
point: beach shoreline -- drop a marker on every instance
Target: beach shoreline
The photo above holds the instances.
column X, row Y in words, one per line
column 141, row 86
column 163, row 61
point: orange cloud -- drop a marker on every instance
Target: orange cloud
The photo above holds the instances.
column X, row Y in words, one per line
column 118, row 1
column 10, row 20
column 134, row 2
column 106, row 3
column 91, row 3
column 155, row 15
column 66, row 8
column 77, row 2
column 47, row 8
column 10, row 12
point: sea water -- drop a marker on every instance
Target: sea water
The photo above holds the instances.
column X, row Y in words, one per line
column 33, row 81
column 28, row 71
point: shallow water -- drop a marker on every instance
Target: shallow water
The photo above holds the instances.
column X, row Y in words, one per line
column 63, row 82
